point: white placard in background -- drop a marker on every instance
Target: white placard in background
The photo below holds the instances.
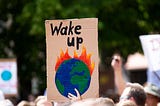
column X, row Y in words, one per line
column 8, row 76
column 151, row 49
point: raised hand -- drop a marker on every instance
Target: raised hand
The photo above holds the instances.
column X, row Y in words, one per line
column 73, row 97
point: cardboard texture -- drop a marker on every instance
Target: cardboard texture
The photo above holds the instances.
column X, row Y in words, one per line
column 8, row 78
column 72, row 58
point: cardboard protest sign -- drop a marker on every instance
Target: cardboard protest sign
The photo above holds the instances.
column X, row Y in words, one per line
column 72, row 58
column 151, row 48
column 8, row 76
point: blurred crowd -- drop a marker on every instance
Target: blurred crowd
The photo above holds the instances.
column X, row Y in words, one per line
column 130, row 94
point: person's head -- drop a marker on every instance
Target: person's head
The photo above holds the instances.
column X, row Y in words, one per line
column 25, row 103
column 6, row 102
column 127, row 103
column 134, row 92
column 94, row 102
column 42, row 101
column 153, row 94
column 104, row 101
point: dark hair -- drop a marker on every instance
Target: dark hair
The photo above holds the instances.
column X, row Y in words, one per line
column 138, row 93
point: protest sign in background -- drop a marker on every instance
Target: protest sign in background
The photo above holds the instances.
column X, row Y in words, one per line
column 8, row 76
column 72, row 58
column 151, row 49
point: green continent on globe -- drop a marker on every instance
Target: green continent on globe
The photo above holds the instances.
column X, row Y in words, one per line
column 60, row 85
column 80, row 80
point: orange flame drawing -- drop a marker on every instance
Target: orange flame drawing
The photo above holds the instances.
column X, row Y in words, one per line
column 83, row 57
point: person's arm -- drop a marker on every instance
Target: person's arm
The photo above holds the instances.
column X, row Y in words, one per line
column 118, row 77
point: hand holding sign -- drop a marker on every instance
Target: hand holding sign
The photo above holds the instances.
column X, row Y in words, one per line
column 73, row 97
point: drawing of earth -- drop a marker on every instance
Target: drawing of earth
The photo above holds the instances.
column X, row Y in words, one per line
column 72, row 73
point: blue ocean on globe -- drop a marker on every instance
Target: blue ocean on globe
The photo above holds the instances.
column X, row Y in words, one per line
column 72, row 73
